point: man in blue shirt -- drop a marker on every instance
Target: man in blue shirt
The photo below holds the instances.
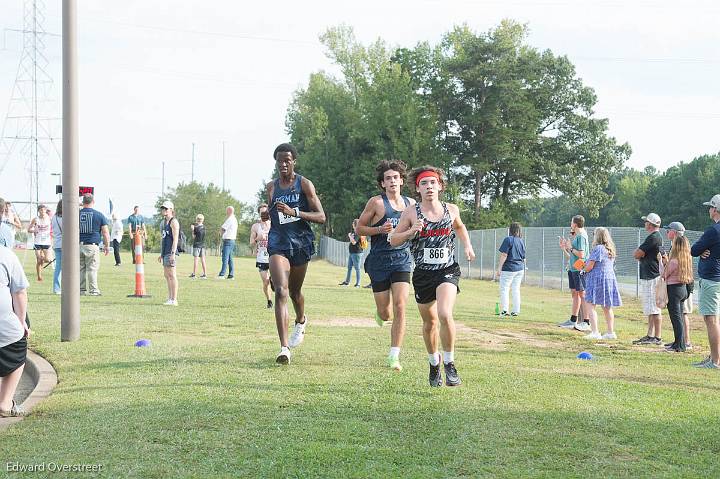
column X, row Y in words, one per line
column 708, row 249
column 93, row 224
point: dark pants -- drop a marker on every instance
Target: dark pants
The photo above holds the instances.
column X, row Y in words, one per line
column 116, row 250
column 677, row 293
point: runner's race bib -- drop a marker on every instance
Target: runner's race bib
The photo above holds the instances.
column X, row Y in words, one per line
column 263, row 256
column 285, row 219
column 435, row 255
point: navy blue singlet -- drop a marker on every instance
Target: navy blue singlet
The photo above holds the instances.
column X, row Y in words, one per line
column 383, row 256
column 289, row 234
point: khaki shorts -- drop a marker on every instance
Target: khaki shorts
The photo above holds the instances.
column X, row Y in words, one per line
column 687, row 305
column 647, row 296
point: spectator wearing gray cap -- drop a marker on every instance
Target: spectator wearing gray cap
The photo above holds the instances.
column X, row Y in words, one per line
column 93, row 224
column 674, row 230
column 708, row 249
column 648, row 254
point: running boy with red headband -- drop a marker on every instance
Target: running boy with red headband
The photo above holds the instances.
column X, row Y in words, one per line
column 430, row 227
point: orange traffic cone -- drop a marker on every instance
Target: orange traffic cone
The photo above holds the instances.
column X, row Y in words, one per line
column 139, row 268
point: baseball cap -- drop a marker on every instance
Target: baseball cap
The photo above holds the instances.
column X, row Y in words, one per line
column 714, row 202
column 168, row 205
column 654, row 219
column 676, row 226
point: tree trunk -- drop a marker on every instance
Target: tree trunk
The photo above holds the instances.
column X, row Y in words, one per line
column 478, row 193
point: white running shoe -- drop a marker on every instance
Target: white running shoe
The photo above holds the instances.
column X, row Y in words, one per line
column 593, row 336
column 610, row 335
column 170, row 302
column 283, row 357
column 581, row 326
column 298, row 334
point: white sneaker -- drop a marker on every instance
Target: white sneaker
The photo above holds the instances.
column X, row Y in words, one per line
column 593, row 336
column 610, row 335
column 581, row 326
column 283, row 357
column 170, row 302
column 298, row 334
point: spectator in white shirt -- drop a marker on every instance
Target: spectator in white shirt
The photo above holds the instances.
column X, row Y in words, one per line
column 229, row 234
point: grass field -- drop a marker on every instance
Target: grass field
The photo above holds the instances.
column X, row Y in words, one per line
column 207, row 400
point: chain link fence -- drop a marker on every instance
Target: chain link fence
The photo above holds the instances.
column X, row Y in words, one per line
column 546, row 265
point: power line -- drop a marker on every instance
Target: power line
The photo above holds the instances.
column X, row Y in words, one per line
column 238, row 36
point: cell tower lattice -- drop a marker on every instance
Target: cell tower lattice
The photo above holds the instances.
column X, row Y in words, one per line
column 31, row 134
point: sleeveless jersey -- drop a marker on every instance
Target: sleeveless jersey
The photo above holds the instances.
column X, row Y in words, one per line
column 379, row 241
column 42, row 231
column 383, row 257
column 262, row 255
column 290, row 233
column 167, row 238
column 434, row 247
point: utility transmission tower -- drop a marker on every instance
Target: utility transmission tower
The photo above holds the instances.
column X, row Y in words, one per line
column 31, row 136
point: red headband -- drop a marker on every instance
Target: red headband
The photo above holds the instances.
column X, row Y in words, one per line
column 426, row 174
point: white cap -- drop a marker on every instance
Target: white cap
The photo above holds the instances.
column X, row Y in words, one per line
column 168, row 205
column 714, row 202
column 652, row 218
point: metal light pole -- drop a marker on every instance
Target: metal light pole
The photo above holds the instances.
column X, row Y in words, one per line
column 70, row 299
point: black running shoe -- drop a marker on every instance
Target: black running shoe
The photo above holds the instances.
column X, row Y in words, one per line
column 451, row 375
column 269, row 305
column 435, row 376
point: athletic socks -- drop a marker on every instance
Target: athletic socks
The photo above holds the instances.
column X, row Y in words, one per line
column 395, row 353
column 573, row 318
column 434, row 359
column 448, row 357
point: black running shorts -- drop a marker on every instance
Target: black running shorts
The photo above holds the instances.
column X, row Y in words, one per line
column 426, row 282
column 394, row 277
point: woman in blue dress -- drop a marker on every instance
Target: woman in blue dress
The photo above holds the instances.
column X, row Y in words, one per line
column 601, row 286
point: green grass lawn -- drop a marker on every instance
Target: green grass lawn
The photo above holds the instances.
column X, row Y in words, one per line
column 207, row 400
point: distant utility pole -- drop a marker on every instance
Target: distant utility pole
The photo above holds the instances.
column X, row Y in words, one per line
column 192, row 168
column 223, row 164
column 162, row 191
column 29, row 135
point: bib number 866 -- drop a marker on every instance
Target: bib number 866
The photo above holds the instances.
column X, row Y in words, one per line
column 435, row 255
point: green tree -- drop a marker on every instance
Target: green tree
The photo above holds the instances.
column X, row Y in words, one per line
column 193, row 198
column 516, row 120
column 344, row 127
column 678, row 194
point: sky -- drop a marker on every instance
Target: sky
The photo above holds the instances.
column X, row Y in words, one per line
column 156, row 77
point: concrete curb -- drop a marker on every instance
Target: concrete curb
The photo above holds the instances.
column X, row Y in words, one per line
column 44, row 377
